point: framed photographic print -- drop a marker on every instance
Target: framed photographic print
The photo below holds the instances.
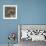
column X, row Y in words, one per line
column 9, row 11
column 32, row 32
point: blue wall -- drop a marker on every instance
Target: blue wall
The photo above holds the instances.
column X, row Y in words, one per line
column 7, row 26
column 28, row 12
column 33, row 12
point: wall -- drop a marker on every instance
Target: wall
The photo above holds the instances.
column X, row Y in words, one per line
column 33, row 12
column 7, row 26
column 28, row 12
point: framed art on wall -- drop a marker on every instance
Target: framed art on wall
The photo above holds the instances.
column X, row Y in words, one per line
column 9, row 11
column 32, row 32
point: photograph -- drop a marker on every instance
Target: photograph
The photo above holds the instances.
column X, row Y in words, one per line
column 29, row 34
column 9, row 11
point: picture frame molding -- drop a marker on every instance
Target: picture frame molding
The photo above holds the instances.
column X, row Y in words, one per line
column 4, row 11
